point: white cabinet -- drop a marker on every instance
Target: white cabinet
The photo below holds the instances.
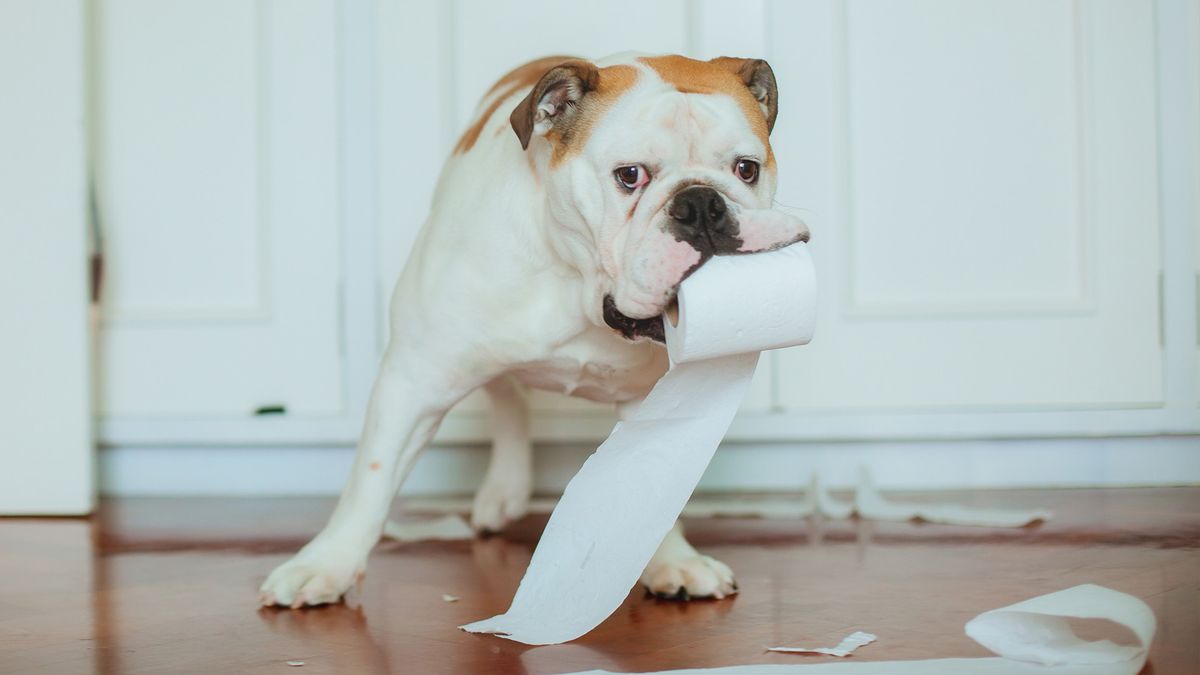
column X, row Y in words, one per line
column 982, row 182
column 990, row 184
column 216, row 155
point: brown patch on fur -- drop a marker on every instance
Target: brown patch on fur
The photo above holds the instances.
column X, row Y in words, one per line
column 521, row 77
column 528, row 74
column 719, row 76
column 614, row 81
column 537, row 179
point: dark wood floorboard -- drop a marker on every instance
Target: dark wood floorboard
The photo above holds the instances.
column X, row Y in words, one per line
column 169, row 586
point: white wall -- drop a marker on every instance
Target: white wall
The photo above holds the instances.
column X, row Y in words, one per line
column 1002, row 195
column 46, row 448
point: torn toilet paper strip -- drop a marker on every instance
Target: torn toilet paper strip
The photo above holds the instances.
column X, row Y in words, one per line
column 867, row 502
column 446, row 528
column 844, row 648
column 1032, row 637
column 615, row 512
column 871, row 505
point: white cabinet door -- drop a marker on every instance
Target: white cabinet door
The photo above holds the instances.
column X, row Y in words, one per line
column 216, row 153
column 46, row 449
column 981, row 181
column 426, row 103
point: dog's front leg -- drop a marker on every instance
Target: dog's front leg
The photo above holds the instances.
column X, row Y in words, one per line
column 407, row 403
column 680, row 572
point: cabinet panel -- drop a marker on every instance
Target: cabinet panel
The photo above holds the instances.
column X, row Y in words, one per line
column 182, row 158
column 217, row 172
column 981, row 180
column 964, row 158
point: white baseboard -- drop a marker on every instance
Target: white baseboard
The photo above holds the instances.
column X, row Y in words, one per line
column 1090, row 462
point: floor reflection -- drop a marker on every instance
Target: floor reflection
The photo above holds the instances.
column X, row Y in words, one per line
column 338, row 632
column 170, row 586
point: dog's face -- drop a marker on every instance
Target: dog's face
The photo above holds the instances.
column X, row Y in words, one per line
column 654, row 166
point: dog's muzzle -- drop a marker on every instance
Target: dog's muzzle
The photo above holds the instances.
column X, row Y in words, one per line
column 698, row 216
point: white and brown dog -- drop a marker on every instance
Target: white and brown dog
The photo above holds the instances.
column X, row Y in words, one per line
column 547, row 261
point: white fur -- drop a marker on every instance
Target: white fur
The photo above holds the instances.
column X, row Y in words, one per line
column 504, row 289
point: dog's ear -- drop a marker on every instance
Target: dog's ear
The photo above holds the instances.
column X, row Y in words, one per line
column 554, row 99
column 760, row 80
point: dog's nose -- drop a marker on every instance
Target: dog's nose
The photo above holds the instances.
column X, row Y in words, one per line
column 697, row 206
column 699, row 217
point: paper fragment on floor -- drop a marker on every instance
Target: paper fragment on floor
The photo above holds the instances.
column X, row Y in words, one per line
column 446, row 528
column 867, row 502
column 1032, row 637
column 818, row 500
column 871, row 505
column 844, row 648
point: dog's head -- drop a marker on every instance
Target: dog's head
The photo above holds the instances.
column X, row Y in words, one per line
column 654, row 165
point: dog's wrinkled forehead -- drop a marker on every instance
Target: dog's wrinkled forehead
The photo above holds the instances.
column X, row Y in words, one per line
column 730, row 77
column 576, row 97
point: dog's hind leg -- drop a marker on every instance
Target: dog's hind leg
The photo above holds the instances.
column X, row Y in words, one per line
column 504, row 494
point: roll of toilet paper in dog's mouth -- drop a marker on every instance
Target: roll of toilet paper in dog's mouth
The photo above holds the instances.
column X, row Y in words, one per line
column 745, row 304
column 615, row 512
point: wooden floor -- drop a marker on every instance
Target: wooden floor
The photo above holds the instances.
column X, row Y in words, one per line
column 169, row 586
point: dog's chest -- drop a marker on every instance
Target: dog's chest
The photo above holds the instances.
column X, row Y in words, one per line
column 599, row 370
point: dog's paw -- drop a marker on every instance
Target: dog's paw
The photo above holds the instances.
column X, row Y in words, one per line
column 687, row 577
column 498, row 503
column 309, row 579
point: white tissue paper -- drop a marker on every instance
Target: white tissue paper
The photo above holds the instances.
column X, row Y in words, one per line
column 1032, row 637
column 871, row 505
column 844, row 648
column 615, row 512
column 446, row 528
column 868, row 503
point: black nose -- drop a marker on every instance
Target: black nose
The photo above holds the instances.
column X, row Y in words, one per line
column 700, row 218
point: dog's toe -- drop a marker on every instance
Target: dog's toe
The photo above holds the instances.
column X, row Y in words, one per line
column 680, row 593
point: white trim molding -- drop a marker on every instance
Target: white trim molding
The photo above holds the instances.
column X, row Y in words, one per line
column 458, row 469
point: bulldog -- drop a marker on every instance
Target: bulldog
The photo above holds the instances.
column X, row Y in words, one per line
column 563, row 223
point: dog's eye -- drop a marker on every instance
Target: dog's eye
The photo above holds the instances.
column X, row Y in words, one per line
column 632, row 177
column 747, row 170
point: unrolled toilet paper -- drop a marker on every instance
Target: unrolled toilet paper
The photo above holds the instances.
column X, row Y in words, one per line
column 1032, row 637
column 615, row 512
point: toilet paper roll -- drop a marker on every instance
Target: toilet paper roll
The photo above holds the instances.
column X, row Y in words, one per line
column 747, row 303
column 615, row 512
